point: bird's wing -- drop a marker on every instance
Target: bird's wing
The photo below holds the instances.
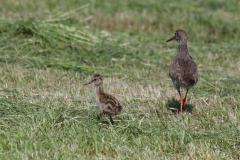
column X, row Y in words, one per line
column 110, row 104
column 184, row 70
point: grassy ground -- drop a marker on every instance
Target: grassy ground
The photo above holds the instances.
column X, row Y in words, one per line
column 49, row 49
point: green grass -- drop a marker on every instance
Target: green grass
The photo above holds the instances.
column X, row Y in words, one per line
column 49, row 49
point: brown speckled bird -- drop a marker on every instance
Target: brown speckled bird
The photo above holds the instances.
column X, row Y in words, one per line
column 183, row 70
column 107, row 103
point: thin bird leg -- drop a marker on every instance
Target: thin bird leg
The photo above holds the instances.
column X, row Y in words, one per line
column 111, row 119
column 181, row 100
column 185, row 97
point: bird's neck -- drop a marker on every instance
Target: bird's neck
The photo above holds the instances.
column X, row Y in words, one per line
column 182, row 50
column 98, row 89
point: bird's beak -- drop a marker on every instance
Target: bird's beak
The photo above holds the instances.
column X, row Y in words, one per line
column 171, row 39
column 87, row 83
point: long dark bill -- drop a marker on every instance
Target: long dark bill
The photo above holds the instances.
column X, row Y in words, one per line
column 87, row 83
column 171, row 39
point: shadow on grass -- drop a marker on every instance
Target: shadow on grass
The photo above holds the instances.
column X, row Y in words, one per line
column 104, row 120
column 174, row 105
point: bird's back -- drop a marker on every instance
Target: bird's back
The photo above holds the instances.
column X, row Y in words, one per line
column 110, row 104
column 184, row 71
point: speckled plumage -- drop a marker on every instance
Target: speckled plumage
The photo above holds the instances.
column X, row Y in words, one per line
column 107, row 103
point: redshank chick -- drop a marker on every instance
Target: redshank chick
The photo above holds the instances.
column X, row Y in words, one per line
column 107, row 103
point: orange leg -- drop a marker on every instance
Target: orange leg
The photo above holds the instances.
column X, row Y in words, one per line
column 181, row 100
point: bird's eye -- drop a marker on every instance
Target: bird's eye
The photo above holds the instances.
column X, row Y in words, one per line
column 175, row 33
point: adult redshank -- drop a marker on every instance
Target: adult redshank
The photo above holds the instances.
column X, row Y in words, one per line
column 183, row 70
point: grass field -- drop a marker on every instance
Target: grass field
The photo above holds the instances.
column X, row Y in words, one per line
column 49, row 49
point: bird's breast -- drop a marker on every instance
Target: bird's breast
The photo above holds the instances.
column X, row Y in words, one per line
column 99, row 104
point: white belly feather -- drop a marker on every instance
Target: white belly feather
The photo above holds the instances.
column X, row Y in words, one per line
column 182, row 84
column 97, row 99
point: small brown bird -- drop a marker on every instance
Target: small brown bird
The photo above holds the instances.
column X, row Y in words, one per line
column 183, row 70
column 107, row 103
